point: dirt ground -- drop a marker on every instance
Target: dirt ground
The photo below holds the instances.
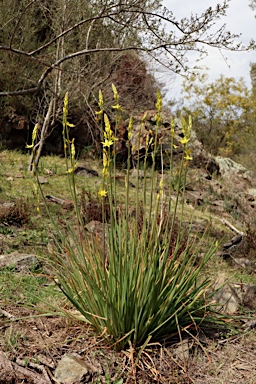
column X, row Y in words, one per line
column 31, row 348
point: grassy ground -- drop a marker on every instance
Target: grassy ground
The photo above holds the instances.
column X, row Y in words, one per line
column 35, row 340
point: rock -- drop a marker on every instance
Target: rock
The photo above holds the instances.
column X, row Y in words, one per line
column 66, row 204
column 227, row 298
column 85, row 170
column 139, row 173
column 244, row 263
column 72, row 369
column 19, row 261
column 252, row 192
column 235, row 241
column 229, row 167
column 249, row 296
column 181, row 350
column 42, row 180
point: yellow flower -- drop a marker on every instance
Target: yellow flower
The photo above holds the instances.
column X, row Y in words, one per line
column 107, row 143
column 187, row 155
column 184, row 141
column 117, row 106
column 188, row 158
column 102, row 193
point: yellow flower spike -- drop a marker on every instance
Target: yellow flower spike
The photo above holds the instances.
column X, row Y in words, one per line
column 34, row 134
column 101, row 101
column 105, row 159
column 100, row 104
column 190, row 123
column 172, row 130
column 161, row 185
column 159, row 102
column 73, row 149
column 65, row 107
column 144, row 117
column 130, row 125
column 71, row 170
column 186, row 128
column 147, row 140
column 107, row 125
column 116, row 96
column 102, row 193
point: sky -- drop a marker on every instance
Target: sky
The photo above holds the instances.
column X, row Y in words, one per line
column 240, row 19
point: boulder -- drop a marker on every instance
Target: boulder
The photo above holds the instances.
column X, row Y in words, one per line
column 20, row 262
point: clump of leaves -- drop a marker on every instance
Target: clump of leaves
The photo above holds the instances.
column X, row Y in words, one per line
column 143, row 281
column 15, row 213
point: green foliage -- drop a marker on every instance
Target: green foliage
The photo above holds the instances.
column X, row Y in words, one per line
column 223, row 112
column 26, row 289
column 142, row 281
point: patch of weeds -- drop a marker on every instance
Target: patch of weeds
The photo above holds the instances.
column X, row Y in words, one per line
column 6, row 230
column 12, row 339
column 243, row 277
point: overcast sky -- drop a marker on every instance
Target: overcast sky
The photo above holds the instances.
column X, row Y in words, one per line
column 240, row 19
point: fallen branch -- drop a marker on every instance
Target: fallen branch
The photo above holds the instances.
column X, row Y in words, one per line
column 228, row 224
column 10, row 372
column 66, row 204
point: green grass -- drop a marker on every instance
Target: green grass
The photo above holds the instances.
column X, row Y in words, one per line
column 29, row 290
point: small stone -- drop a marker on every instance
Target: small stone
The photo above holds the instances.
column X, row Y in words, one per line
column 42, row 180
column 73, row 370
column 181, row 350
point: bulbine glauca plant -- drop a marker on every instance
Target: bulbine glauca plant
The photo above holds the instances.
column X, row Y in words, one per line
column 143, row 281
